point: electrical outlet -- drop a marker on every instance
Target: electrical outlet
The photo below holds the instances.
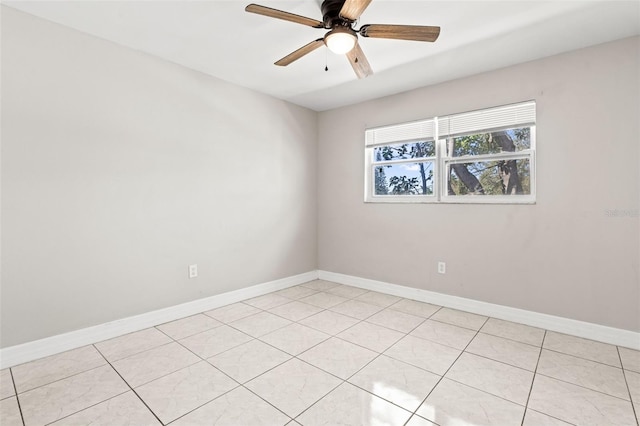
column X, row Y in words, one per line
column 193, row 271
column 442, row 267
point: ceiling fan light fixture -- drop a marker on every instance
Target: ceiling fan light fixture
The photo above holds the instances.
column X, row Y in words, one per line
column 340, row 40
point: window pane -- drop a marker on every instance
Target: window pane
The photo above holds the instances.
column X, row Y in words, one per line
column 404, row 179
column 510, row 140
column 506, row 177
column 403, row 151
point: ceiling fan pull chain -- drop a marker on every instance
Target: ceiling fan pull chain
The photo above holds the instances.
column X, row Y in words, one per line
column 326, row 60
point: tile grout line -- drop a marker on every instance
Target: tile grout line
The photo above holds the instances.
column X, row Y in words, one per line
column 164, row 375
column 301, row 360
column 318, row 400
column 59, row 380
column 202, row 405
column 535, row 373
column 478, row 332
column 626, row 382
column 269, row 344
column 256, row 337
column 127, row 383
column 136, row 353
column 494, row 360
column 201, row 360
column 323, row 309
column 154, row 348
column 267, row 402
column 86, row 408
column 542, row 348
column 583, row 358
column 378, row 356
column 461, row 326
column 253, row 378
column 15, row 390
column 157, row 327
column 235, row 347
column 555, row 418
column 375, row 313
column 415, row 412
column 207, row 402
column 231, row 378
column 236, row 319
column 342, row 381
column 92, row 405
column 584, row 387
column 540, row 374
column 290, row 354
column 512, row 340
column 335, row 336
column 297, row 322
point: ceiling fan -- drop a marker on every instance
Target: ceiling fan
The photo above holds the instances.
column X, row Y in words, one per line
column 339, row 16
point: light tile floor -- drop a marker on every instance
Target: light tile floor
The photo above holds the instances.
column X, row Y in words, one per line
column 328, row 354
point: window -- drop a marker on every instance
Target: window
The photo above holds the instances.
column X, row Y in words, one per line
column 401, row 162
column 485, row 156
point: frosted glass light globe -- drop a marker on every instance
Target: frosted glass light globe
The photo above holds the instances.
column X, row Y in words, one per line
column 340, row 40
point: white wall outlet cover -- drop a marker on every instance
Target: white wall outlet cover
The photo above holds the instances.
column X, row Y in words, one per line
column 193, row 271
column 442, row 267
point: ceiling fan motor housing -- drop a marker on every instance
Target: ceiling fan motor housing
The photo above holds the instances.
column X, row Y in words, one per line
column 331, row 14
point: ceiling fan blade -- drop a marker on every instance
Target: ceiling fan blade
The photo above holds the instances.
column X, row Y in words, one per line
column 359, row 62
column 401, row 32
column 297, row 54
column 352, row 9
column 280, row 14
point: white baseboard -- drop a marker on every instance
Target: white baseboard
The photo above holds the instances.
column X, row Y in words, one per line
column 26, row 352
column 601, row 333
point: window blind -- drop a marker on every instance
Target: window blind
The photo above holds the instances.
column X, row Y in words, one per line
column 516, row 115
column 423, row 130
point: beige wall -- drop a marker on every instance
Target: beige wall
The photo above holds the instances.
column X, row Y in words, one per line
column 119, row 170
column 562, row 256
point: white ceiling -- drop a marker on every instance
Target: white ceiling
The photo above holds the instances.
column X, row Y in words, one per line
column 219, row 38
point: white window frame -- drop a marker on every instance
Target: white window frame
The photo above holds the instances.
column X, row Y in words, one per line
column 405, row 133
column 440, row 130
